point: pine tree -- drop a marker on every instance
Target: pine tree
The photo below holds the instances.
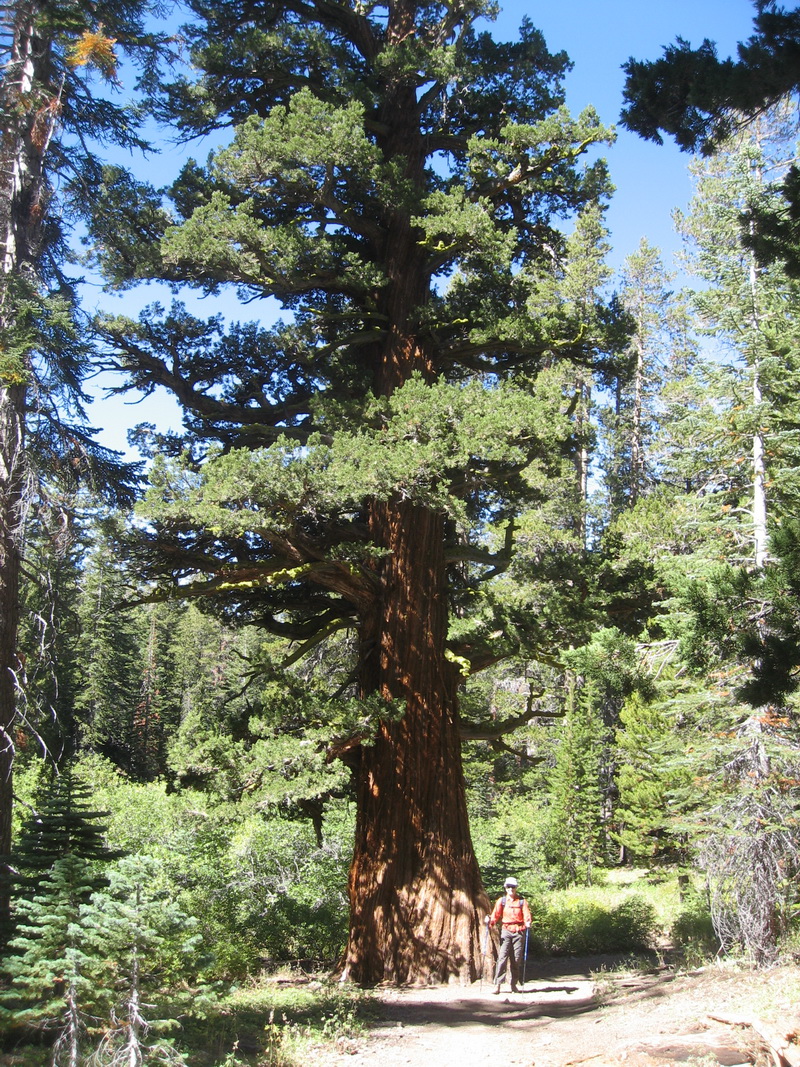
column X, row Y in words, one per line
column 63, row 824
column 649, row 777
column 702, row 101
column 60, row 858
column 602, row 675
column 630, row 423
column 157, row 709
column 146, row 943
column 50, row 989
column 707, row 780
column 585, row 274
column 505, row 861
column 741, row 613
column 49, row 626
column 111, row 653
column 749, row 309
column 684, row 452
column 131, row 699
column 394, row 181
column 576, row 822
column 749, row 622
column 49, row 117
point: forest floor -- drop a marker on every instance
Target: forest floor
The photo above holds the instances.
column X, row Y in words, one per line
column 590, row 1012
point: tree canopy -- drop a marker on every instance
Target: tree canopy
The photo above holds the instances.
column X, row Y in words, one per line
column 53, row 116
column 396, row 180
column 462, row 564
column 700, row 100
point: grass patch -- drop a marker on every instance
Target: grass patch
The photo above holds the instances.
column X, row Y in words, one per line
column 775, row 995
column 275, row 1022
column 271, row 1022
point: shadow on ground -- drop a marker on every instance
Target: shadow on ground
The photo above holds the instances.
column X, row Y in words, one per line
column 553, row 989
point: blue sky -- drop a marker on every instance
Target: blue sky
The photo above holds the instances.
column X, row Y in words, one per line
column 598, row 36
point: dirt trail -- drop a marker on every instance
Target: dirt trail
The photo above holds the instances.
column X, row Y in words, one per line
column 566, row 1014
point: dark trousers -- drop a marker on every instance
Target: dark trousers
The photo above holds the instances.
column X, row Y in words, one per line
column 510, row 953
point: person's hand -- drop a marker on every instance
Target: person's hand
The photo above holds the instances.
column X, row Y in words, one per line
column 527, row 926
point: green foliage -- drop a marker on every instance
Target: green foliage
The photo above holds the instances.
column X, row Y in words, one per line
column 47, row 962
column 505, row 861
column 692, row 933
column 631, row 423
column 750, row 618
column 282, row 1022
column 613, row 663
column 744, row 305
column 699, row 99
column 474, row 401
column 601, row 675
column 50, row 625
column 61, row 856
column 145, row 935
column 119, row 656
column 403, row 203
column 94, row 970
column 44, row 343
column 261, row 887
column 145, row 953
column 575, row 833
column 63, row 823
column 650, row 778
column 584, row 928
column 297, row 207
column 423, row 443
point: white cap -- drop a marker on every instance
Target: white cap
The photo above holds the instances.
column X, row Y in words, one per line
column 510, row 881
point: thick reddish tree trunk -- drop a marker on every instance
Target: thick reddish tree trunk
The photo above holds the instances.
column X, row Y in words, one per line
column 417, row 902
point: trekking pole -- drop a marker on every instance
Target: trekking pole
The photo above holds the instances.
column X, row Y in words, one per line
column 483, row 957
column 525, row 957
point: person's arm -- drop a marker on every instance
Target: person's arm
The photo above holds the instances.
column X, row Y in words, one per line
column 497, row 913
column 526, row 913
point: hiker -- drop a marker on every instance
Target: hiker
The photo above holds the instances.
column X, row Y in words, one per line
column 512, row 911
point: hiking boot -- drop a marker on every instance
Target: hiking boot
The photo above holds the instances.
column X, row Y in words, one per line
column 496, row 989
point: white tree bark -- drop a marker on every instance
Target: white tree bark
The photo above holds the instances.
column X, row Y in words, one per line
column 759, row 470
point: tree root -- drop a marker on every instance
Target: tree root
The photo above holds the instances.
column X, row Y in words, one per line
column 783, row 1042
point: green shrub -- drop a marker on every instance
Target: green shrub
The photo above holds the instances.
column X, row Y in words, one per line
column 297, row 931
column 260, row 886
column 692, row 933
column 585, row 928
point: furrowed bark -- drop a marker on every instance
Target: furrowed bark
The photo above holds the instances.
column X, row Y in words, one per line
column 415, row 889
